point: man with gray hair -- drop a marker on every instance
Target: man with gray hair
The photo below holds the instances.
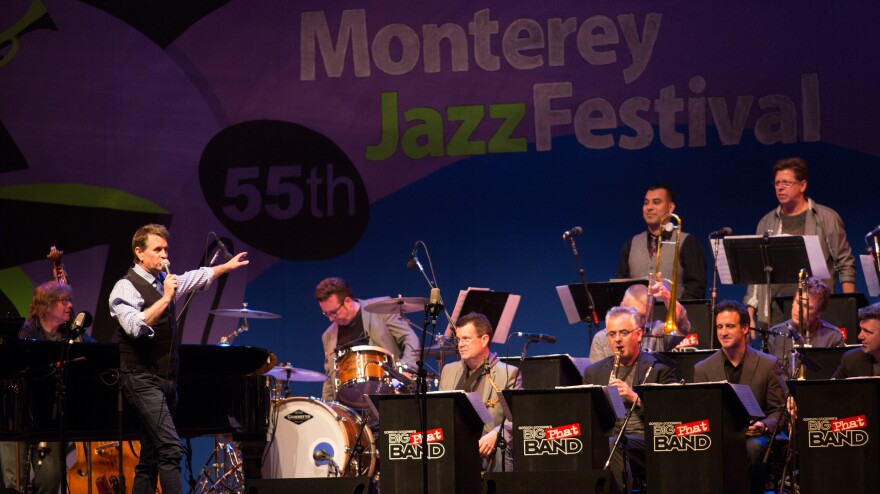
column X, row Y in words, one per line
column 628, row 368
column 636, row 296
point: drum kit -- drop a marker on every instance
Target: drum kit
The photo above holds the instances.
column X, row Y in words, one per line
column 310, row 437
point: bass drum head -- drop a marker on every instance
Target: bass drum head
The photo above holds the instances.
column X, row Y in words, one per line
column 306, row 425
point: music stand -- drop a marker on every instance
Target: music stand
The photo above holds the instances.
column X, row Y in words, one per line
column 498, row 307
column 606, row 294
column 766, row 260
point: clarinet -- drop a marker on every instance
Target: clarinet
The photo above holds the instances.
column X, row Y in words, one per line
column 615, row 366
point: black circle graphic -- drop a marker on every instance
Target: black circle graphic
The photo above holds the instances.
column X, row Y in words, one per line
column 285, row 189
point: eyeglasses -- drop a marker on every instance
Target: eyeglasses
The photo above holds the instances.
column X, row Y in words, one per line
column 333, row 313
column 466, row 340
column 623, row 333
column 65, row 301
column 785, row 183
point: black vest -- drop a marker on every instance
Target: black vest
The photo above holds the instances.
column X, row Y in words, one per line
column 156, row 355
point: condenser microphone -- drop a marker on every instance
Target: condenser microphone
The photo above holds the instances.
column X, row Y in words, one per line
column 80, row 323
column 413, row 260
column 721, row 233
column 574, row 232
column 539, row 337
column 435, row 302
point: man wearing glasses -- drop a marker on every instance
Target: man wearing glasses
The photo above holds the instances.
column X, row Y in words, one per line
column 797, row 214
column 634, row 367
column 50, row 313
column 480, row 371
column 350, row 326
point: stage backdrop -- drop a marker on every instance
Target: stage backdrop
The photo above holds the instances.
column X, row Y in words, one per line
column 325, row 138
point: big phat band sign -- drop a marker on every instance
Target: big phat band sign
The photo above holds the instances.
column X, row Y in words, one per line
column 833, row 432
column 678, row 437
column 408, row 444
column 552, row 440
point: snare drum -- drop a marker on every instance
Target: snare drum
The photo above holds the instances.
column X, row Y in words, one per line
column 360, row 372
column 305, row 425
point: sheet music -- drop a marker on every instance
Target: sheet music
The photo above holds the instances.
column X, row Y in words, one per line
column 568, row 306
column 474, row 399
column 747, row 398
column 870, row 271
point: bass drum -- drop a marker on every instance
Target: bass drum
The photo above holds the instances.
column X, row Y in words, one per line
column 304, row 426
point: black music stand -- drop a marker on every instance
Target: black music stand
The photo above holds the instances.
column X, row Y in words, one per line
column 453, row 456
column 581, row 415
column 498, row 307
column 703, row 441
column 826, row 442
column 767, row 260
column 547, row 371
column 606, row 294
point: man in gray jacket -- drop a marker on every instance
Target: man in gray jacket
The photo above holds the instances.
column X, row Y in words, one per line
column 352, row 326
column 797, row 214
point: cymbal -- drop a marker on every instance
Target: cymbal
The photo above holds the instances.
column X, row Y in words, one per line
column 288, row 373
column 248, row 313
column 397, row 304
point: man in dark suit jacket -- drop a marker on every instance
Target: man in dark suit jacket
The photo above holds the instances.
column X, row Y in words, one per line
column 630, row 367
column 739, row 363
column 864, row 361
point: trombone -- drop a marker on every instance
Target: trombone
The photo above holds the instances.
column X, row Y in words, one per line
column 670, row 326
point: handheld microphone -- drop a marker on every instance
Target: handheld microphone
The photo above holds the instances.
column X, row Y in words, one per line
column 873, row 232
column 166, row 265
column 721, row 233
column 222, row 246
column 413, row 260
column 539, row 337
column 574, row 232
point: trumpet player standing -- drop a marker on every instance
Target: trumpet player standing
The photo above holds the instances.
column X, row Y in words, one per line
column 637, row 254
column 629, row 367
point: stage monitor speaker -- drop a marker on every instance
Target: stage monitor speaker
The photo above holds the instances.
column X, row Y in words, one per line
column 342, row 485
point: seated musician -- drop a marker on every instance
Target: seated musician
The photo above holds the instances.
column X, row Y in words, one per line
column 634, row 367
column 480, row 371
column 818, row 333
column 636, row 296
column 864, row 361
column 858, row 362
column 738, row 363
column 50, row 313
column 350, row 325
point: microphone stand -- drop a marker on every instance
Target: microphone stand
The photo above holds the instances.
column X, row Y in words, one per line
column 621, row 434
column 592, row 319
column 714, row 297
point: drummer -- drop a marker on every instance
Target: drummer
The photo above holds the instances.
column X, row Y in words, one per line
column 353, row 326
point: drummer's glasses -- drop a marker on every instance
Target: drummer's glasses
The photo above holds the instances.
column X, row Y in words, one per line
column 333, row 313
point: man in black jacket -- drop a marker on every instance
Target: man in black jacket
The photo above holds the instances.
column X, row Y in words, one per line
column 633, row 367
column 864, row 361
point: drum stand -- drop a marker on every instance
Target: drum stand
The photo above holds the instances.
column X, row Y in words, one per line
column 222, row 472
